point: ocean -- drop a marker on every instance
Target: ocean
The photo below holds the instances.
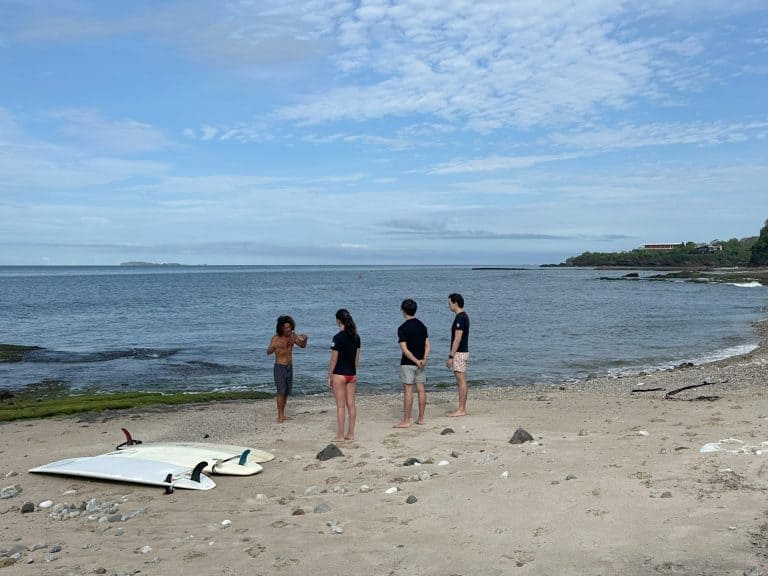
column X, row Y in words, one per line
column 205, row 328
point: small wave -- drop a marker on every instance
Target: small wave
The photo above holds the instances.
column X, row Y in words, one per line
column 703, row 359
column 68, row 357
column 753, row 284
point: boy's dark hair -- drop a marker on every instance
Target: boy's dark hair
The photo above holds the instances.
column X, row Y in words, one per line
column 457, row 299
column 409, row 307
column 282, row 320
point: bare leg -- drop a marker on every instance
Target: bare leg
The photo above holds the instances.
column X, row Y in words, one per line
column 339, row 394
column 422, row 402
column 407, row 406
column 351, row 408
column 461, row 382
column 281, row 401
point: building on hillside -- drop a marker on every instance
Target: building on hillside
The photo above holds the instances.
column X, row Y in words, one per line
column 708, row 248
column 663, row 247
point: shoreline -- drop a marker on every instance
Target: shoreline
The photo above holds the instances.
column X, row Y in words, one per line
column 614, row 483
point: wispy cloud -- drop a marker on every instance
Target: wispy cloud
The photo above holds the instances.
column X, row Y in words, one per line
column 88, row 127
column 496, row 163
column 678, row 133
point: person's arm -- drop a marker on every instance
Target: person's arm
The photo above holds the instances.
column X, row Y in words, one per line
column 408, row 354
column 454, row 347
column 357, row 358
column 332, row 365
column 272, row 347
column 427, row 350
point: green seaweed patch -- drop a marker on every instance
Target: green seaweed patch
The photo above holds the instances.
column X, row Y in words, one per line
column 27, row 406
column 15, row 352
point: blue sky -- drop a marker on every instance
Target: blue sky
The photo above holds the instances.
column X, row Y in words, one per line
column 398, row 132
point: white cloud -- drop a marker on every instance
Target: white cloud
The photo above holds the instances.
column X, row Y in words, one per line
column 88, row 127
column 496, row 163
column 657, row 134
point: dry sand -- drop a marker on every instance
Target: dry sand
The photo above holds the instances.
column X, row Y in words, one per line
column 613, row 484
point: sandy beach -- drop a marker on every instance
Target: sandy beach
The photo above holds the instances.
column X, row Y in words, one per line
column 614, row 483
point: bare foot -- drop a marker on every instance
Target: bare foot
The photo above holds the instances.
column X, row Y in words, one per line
column 420, row 422
column 402, row 425
column 338, row 440
column 456, row 414
column 349, row 437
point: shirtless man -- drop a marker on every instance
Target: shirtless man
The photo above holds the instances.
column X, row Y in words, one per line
column 281, row 346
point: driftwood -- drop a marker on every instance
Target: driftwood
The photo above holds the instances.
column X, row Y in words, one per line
column 671, row 393
column 648, row 390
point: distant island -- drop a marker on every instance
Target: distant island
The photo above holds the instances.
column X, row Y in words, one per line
column 139, row 264
column 734, row 253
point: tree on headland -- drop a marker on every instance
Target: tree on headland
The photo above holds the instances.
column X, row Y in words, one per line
column 760, row 248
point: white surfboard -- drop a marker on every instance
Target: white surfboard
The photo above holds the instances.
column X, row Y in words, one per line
column 219, row 461
column 132, row 470
column 228, row 451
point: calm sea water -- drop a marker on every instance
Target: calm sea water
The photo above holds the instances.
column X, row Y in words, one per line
column 207, row 328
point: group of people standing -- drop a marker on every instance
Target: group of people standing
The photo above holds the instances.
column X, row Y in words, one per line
column 413, row 338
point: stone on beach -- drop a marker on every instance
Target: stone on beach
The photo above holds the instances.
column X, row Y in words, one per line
column 330, row 451
column 521, row 437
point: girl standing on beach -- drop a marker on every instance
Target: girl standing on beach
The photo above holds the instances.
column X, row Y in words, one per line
column 342, row 373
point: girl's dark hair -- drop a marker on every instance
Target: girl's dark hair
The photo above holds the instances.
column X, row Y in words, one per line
column 282, row 320
column 343, row 316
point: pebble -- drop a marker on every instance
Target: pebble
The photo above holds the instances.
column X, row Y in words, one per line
column 365, row 488
column 505, row 474
column 642, row 433
column 411, row 499
column 443, row 463
column 392, row 490
column 145, row 550
column 50, row 557
column 10, row 491
column 571, row 477
column 335, row 528
column 666, row 494
column 45, row 504
column 490, row 457
column 322, row 507
column 226, row 523
column 27, row 507
column 447, row 431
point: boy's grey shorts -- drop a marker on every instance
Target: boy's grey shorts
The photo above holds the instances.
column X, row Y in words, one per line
column 410, row 374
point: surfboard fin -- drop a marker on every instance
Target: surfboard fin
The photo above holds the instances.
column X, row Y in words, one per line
column 244, row 457
column 197, row 470
column 129, row 441
column 169, row 480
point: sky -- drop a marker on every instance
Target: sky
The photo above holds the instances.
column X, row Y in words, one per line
column 377, row 132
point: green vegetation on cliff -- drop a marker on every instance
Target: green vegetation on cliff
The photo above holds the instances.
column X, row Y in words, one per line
column 732, row 253
column 760, row 248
